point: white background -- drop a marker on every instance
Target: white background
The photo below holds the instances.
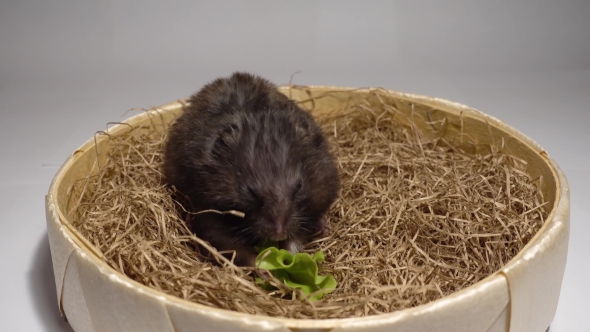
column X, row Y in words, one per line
column 69, row 67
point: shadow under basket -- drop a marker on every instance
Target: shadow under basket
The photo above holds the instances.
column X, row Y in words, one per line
column 522, row 296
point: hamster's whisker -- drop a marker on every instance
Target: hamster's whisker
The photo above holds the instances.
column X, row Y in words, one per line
column 304, row 219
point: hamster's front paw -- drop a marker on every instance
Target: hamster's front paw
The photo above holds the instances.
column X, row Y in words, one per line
column 246, row 257
column 292, row 245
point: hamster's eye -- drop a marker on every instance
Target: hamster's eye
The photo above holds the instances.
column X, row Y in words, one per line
column 298, row 187
column 254, row 195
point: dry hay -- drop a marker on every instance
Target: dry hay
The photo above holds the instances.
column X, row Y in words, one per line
column 416, row 220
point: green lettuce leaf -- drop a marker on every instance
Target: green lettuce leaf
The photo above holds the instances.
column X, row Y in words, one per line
column 297, row 271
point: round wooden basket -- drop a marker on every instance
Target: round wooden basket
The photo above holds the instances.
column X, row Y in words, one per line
column 523, row 296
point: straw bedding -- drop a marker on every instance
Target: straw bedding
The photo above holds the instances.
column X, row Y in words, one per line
column 417, row 219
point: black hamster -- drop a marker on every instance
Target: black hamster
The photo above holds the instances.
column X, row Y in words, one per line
column 242, row 145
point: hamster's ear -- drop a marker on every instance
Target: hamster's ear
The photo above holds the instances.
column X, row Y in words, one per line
column 227, row 140
column 318, row 140
column 302, row 128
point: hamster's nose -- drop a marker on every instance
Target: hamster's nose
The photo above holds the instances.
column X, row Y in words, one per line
column 280, row 232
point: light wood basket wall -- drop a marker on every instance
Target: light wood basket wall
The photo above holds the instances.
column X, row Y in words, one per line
column 521, row 297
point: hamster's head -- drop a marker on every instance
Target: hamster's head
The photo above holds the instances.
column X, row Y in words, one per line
column 277, row 169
